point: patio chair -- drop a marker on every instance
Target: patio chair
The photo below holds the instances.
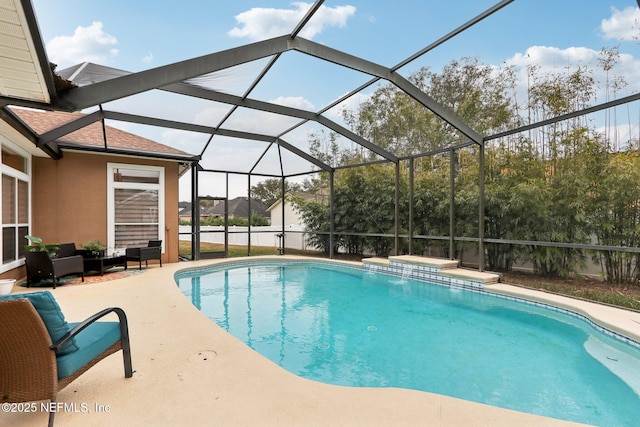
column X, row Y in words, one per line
column 41, row 266
column 153, row 250
column 42, row 353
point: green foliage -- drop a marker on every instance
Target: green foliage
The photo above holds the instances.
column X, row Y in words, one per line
column 477, row 93
column 36, row 245
column 94, row 245
column 256, row 220
column 316, row 217
column 431, row 201
column 269, row 191
column 614, row 214
column 562, row 183
column 364, row 200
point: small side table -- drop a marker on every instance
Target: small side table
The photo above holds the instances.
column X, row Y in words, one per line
column 102, row 264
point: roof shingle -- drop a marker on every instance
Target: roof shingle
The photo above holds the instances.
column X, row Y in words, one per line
column 92, row 135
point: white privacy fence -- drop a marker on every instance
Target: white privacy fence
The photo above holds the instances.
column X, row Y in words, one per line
column 260, row 236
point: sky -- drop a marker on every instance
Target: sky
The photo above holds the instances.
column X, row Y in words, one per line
column 136, row 35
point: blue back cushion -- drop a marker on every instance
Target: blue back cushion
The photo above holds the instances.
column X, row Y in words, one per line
column 49, row 310
column 93, row 340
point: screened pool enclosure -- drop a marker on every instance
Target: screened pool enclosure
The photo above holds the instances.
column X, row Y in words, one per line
column 246, row 114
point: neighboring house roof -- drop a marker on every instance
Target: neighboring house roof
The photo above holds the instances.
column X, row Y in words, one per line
column 238, row 207
column 93, row 134
column 185, row 209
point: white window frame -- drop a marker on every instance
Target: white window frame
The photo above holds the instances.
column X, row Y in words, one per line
column 14, row 173
column 112, row 185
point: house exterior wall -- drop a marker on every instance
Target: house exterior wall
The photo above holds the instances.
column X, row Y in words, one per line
column 291, row 215
column 69, row 199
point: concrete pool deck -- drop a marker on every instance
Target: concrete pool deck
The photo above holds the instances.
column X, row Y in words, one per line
column 191, row 372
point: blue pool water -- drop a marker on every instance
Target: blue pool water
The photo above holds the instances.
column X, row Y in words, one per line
column 349, row 327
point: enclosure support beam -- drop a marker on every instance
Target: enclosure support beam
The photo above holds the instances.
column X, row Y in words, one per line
column 195, row 214
column 82, row 97
column 331, row 214
column 396, row 237
column 249, row 214
column 282, row 250
column 226, row 215
column 411, row 187
column 481, row 207
column 452, row 199
column 358, row 64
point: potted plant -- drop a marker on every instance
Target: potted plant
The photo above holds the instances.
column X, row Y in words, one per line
column 95, row 248
column 36, row 245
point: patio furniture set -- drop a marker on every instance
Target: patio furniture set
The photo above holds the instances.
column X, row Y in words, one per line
column 69, row 260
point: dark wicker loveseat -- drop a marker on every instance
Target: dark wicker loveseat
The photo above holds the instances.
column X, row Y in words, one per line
column 40, row 265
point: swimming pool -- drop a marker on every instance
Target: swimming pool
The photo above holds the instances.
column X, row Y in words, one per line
column 346, row 326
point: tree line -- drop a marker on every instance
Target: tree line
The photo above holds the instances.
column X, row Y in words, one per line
column 566, row 182
column 570, row 182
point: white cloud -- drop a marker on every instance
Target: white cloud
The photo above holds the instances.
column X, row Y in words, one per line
column 211, row 116
column 249, row 120
column 350, row 104
column 294, row 102
column 147, row 59
column 623, row 24
column 558, row 61
column 550, row 58
column 190, row 142
column 90, row 44
column 262, row 23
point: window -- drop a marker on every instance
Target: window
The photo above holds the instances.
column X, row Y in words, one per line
column 15, row 206
column 135, row 205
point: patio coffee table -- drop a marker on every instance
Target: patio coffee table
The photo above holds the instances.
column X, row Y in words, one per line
column 102, row 264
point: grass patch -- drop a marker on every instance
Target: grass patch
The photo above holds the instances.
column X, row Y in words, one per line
column 581, row 287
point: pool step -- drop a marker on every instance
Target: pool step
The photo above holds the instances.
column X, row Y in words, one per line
column 435, row 270
column 472, row 275
column 433, row 263
column 376, row 261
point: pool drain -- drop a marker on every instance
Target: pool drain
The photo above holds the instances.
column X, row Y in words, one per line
column 203, row 356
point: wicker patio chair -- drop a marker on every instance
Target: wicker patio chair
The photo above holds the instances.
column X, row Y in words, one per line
column 153, row 250
column 41, row 266
column 42, row 353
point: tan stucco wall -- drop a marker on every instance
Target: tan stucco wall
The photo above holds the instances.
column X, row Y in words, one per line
column 69, row 199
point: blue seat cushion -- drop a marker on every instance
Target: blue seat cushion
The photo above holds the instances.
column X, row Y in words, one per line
column 49, row 310
column 92, row 341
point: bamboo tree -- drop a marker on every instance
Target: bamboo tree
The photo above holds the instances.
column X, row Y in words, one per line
column 558, row 184
column 615, row 213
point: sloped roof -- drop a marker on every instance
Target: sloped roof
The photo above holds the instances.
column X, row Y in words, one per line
column 238, row 207
column 92, row 135
column 185, row 209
